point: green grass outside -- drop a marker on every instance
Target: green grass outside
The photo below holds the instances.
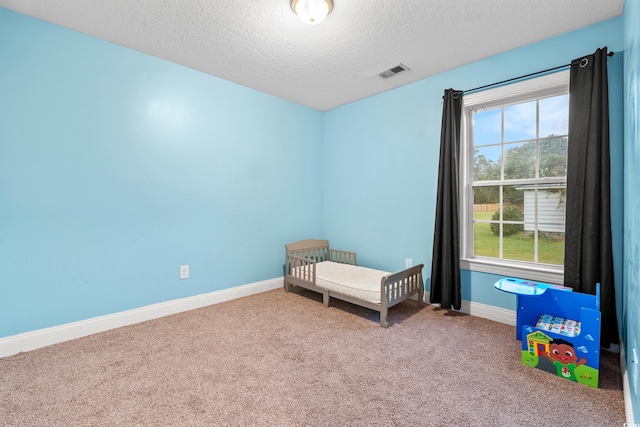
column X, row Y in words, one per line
column 519, row 246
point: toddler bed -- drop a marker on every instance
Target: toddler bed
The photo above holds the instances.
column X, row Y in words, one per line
column 312, row 265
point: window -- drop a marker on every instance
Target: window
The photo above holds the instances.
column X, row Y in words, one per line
column 514, row 168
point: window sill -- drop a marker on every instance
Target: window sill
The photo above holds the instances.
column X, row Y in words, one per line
column 546, row 274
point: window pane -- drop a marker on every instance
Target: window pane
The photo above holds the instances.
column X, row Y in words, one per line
column 520, row 160
column 513, row 196
column 486, row 207
column 549, row 201
column 516, row 244
column 550, row 217
column 519, row 247
column 485, row 243
column 550, row 247
column 487, row 127
column 554, row 116
column 553, row 157
column 551, row 209
column 486, row 199
column 520, row 121
column 486, row 163
column 513, row 208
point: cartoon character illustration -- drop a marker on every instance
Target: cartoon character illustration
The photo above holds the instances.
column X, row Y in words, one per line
column 563, row 356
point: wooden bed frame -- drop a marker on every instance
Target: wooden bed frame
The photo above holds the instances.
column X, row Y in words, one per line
column 301, row 259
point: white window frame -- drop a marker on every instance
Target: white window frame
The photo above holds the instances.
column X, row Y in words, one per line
column 541, row 87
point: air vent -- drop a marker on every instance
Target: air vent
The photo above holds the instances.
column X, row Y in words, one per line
column 393, row 71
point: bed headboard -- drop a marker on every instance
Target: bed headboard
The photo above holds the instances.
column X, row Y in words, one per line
column 309, row 248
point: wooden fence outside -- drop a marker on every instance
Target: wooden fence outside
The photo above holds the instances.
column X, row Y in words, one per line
column 493, row 207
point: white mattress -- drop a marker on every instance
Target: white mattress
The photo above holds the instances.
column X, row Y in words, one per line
column 359, row 282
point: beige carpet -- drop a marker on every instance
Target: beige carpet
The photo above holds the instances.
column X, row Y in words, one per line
column 279, row 359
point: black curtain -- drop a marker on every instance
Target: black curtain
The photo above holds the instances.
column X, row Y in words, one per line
column 445, row 267
column 588, row 255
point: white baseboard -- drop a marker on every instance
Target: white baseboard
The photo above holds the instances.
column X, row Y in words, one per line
column 490, row 312
column 43, row 337
column 626, row 387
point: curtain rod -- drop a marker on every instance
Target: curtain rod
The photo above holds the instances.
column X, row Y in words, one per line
column 521, row 77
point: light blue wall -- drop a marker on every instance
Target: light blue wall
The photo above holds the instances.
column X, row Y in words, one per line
column 631, row 318
column 381, row 158
column 117, row 167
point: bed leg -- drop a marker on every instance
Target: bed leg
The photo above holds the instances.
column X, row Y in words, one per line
column 383, row 317
column 421, row 297
column 325, row 299
column 286, row 286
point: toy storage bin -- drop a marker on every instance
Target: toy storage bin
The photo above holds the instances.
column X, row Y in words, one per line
column 559, row 329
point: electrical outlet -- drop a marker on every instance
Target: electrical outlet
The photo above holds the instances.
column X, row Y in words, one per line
column 184, row 272
column 408, row 262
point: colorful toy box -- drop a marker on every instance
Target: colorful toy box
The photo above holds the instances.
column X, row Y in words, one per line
column 559, row 329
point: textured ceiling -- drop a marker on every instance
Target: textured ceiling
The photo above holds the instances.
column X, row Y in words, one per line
column 263, row 45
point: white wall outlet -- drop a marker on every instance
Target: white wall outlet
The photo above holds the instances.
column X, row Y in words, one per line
column 408, row 262
column 184, row 272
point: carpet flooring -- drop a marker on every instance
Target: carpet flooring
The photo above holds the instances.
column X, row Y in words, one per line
column 282, row 359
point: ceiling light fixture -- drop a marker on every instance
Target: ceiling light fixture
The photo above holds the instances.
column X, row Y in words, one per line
column 312, row 12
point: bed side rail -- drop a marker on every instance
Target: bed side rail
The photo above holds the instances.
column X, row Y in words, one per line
column 301, row 267
column 399, row 286
column 343, row 257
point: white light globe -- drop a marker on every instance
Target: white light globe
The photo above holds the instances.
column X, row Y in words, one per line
column 311, row 12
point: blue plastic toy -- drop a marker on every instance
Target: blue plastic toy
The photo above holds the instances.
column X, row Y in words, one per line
column 559, row 329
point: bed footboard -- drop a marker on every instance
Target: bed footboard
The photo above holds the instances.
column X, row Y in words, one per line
column 398, row 287
column 301, row 268
column 301, row 271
